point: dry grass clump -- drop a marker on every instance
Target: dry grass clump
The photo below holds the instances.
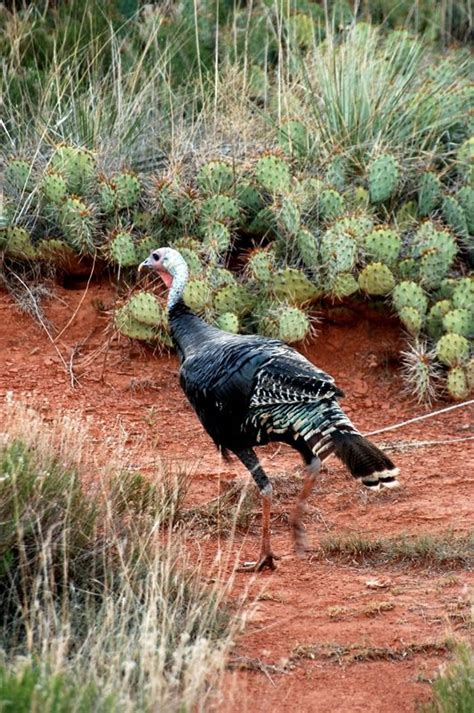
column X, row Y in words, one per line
column 238, row 505
column 357, row 653
column 99, row 602
column 443, row 550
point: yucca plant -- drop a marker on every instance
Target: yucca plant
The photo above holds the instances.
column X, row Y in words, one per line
column 365, row 93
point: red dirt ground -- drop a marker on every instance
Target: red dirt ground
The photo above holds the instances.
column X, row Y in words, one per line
column 314, row 602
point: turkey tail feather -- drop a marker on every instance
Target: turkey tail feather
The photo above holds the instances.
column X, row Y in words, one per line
column 365, row 461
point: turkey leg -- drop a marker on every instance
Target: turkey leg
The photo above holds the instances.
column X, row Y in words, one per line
column 266, row 557
column 297, row 527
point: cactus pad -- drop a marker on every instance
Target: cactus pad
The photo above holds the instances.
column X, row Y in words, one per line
column 145, row 308
column 452, row 349
column 53, row 187
column 412, row 319
column 121, row 250
column 229, row 322
column 383, row 178
column 127, row 190
column 459, row 321
column 457, row 384
column 215, row 177
column 383, row 245
column 273, row 174
column 293, row 286
column 429, row 193
column 197, row 294
column 376, row 279
column 18, row 244
column 409, row 294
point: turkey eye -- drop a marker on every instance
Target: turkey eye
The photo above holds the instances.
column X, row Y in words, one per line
column 155, row 256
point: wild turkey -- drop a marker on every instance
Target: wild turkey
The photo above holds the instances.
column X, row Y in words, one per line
column 249, row 390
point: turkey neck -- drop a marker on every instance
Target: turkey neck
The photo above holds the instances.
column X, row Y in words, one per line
column 187, row 329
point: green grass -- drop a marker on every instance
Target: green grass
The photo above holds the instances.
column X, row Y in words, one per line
column 453, row 691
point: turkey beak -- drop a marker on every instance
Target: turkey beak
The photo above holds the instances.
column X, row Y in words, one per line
column 145, row 264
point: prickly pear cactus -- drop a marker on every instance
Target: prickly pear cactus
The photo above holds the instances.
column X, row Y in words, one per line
column 233, row 298
column 331, row 205
column 411, row 319
column 376, row 279
column 273, row 174
column 130, row 327
column 217, row 239
column 53, row 187
column 18, row 244
column 287, row 216
column 409, row 294
column 454, row 216
column 121, row 249
column 337, row 172
column 215, row 177
column 127, row 190
column 465, row 159
column 220, row 277
column 420, row 372
column 459, row 321
column 294, row 139
column 470, row 373
column 429, row 193
column 434, row 321
column 452, row 349
column 463, row 294
column 197, row 294
column 229, row 322
column 293, row 324
column 447, row 287
column 58, row 253
column 145, row 245
column 383, row 176
column 106, row 197
column 338, row 252
column 261, row 266
column 145, row 308
column 78, row 225
column 383, row 245
column 77, row 165
column 293, row 286
column 167, row 198
column 344, row 285
column 307, row 248
column 249, row 198
column 18, row 176
column 457, row 384
column 465, row 198
column 219, row 208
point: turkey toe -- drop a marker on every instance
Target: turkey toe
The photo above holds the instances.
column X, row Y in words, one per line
column 265, row 562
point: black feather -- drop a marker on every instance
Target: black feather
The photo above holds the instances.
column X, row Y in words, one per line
column 248, row 390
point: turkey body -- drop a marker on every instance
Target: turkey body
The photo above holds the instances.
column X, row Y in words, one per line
column 250, row 390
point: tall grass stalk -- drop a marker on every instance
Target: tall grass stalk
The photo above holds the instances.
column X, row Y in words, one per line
column 97, row 587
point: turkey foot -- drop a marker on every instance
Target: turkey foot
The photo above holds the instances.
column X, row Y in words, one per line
column 299, row 536
column 265, row 561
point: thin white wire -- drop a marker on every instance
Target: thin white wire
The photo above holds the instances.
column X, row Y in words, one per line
column 419, row 418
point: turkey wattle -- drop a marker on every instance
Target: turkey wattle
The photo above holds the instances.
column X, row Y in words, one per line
column 249, row 390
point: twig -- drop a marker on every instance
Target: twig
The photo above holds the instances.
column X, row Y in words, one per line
column 73, row 316
column 41, row 321
column 419, row 418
